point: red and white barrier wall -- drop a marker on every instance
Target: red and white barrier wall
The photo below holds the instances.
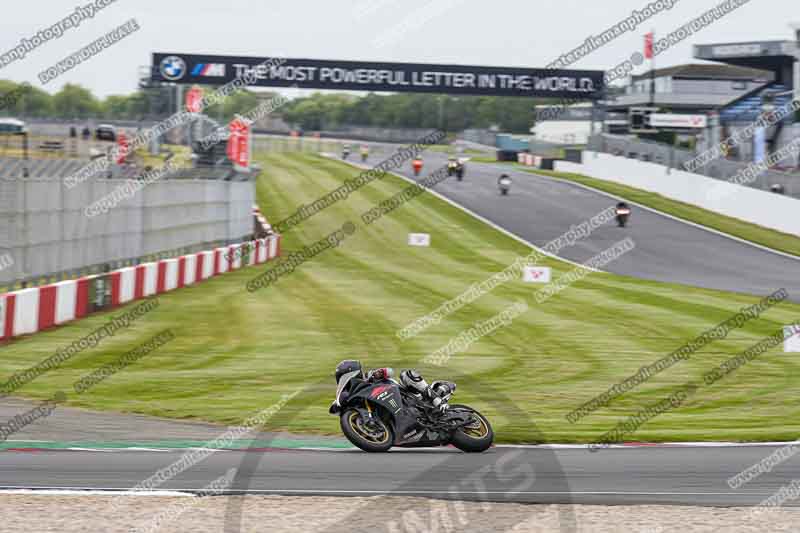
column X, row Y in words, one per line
column 31, row 310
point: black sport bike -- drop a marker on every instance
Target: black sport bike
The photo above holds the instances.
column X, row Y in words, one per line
column 376, row 415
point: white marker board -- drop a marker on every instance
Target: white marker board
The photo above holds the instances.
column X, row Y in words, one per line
column 419, row 239
column 535, row 274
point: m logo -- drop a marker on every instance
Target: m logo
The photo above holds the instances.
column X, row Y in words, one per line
column 216, row 70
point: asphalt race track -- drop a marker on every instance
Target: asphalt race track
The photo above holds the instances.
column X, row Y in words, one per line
column 654, row 475
column 539, row 209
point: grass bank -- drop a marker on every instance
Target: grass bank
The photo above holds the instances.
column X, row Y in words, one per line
column 236, row 352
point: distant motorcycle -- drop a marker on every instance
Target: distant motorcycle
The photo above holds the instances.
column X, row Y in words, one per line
column 504, row 183
column 455, row 167
column 345, row 152
column 622, row 212
column 376, row 414
column 417, row 166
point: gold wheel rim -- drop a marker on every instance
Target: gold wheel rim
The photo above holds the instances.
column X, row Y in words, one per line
column 478, row 432
column 357, row 428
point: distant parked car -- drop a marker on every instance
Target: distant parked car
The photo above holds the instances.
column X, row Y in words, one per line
column 12, row 126
column 105, row 132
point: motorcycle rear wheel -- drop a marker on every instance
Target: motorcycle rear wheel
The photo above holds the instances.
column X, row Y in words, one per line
column 475, row 438
column 354, row 429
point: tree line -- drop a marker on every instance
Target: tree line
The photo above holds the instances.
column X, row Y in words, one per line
column 315, row 112
column 327, row 111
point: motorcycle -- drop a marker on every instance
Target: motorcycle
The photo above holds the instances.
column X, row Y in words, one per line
column 377, row 414
column 364, row 157
column 455, row 167
column 623, row 212
column 417, row 165
column 345, row 154
column 505, row 184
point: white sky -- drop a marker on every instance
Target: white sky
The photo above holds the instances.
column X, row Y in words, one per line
column 471, row 32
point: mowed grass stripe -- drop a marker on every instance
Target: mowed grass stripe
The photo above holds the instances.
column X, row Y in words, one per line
column 236, row 352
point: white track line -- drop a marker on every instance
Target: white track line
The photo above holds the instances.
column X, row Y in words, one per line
column 446, row 449
column 651, row 445
column 70, row 491
column 472, row 213
column 426, row 492
column 673, row 217
column 503, row 492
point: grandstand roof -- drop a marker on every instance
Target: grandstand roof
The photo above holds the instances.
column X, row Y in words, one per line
column 674, row 100
column 710, row 71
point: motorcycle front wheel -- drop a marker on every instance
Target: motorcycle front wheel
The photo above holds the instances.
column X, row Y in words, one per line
column 371, row 435
column 475, row 437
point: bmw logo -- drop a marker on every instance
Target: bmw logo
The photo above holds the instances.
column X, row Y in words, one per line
column 173, row 68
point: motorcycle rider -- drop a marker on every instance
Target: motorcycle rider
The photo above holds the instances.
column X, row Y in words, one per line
column 623, row 212
column 417, row 165
column 364, row 152
column 504, row 183
column 437, row 394
column 345, row 151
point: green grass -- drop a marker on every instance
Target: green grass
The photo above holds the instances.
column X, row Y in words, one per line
column 745, row 230
column 482, row 159
column 236, row 352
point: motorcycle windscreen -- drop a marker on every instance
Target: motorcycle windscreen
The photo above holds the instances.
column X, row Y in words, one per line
column 343, row 381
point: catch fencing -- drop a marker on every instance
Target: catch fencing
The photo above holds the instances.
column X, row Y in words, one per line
column 280, row 144
column 375, row 134
column 46, row 232
column 484, row 137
